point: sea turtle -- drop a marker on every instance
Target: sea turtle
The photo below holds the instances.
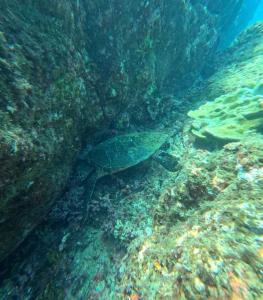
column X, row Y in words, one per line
column 121, row 152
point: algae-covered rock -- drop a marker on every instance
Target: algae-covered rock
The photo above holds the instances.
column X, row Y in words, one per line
column 68, row 68
column 231, row 116
column 145, row 48
column 47, row 101
column 215, row 253
column 233, row 93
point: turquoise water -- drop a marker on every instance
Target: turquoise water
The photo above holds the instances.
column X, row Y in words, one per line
column 258, row 14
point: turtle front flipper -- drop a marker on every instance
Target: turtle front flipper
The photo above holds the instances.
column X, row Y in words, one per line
column 168, row 161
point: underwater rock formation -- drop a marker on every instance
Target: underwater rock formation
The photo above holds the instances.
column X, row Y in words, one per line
column 146, row 49
column 207, row 237
column 194, row 233
column 215, row 253
column 246, row 16
column 48, row 101
column 68, row 68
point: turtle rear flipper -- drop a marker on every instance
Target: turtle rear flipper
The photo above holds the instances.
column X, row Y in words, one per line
column 90, row 184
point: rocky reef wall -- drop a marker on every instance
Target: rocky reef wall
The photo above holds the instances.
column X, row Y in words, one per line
column 68, row 69
column 147, row 49
column 48, row 101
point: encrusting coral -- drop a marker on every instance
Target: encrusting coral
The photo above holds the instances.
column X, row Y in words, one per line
column 217, row 252
column 230, row 117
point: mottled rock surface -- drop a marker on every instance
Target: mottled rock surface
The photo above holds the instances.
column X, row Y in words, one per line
column 68, row 68
column 47, row 102
column 147, row 49
column 230, row 117
column 216, row 252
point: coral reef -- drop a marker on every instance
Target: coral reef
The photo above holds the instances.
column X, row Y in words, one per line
column 69, row 69
column 207, row 233
column 74, row 72
column 237, row 78
column 83, row 259
column 231, row 116
column 216, row 253
column 191, row 234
